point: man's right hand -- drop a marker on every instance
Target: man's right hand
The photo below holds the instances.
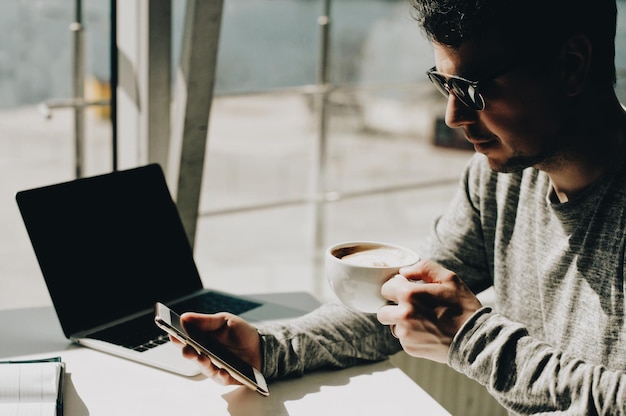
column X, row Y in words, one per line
column 231, row 331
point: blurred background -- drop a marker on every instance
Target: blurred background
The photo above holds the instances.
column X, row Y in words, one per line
column 258, row 226
column 390, row 166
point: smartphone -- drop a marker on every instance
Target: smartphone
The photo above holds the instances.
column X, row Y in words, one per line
column 220, row 356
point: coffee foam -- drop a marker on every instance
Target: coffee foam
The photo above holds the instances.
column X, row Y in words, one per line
column 378, row 257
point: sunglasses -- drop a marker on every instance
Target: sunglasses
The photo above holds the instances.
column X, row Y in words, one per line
column 468, row 92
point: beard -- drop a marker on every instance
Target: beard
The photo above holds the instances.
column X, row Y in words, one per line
column 547, row 158
column 544, row 153
column 516, row 163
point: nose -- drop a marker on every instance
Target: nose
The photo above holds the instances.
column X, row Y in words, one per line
column 458, row 114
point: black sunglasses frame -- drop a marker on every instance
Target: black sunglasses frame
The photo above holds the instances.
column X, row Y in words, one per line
column 468, row 92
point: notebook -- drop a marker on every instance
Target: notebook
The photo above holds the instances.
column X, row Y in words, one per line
column 109, row 247
column 32, row 387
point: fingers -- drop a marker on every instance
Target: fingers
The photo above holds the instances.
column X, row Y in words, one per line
column 207, row 367
column 228, row 330
column 427, row 271
column 426, row 316
column 175, row 340
column 398, row 287
column 394, row 314
column 401, row 291
column 190, row 352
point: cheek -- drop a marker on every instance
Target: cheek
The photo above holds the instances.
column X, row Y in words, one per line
column 526, row 117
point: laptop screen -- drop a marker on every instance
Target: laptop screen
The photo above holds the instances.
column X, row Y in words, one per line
column 109, row 244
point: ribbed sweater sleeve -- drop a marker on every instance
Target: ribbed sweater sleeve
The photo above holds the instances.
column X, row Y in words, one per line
column 332, row 336
column 528, row 376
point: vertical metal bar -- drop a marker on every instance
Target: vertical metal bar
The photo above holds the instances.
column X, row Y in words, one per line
column 114, row 82
column 159, row 78
column 143, row 89
column 194, row 96
column 321, row 151
column 324, row 23
column 78, row 87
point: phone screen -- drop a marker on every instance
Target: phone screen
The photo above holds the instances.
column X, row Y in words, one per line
column 222, row 357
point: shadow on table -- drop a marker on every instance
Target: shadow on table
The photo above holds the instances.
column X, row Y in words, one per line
column 77, row 407
column 245, row 402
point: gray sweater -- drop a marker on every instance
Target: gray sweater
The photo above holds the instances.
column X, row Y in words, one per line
column 556, row 342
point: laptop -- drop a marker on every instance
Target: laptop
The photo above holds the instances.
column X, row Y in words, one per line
column 109, row 247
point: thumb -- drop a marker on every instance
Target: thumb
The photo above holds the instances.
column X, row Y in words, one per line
column 414, row 272
column 425, row 270
column 203, row 322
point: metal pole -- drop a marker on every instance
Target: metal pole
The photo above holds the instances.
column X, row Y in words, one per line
column 78, row 87
column 77, row 102
column 194, row 96
column 321, row 154
column 114, row 82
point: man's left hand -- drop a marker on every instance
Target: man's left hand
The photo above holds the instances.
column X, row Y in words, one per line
column 430, row 304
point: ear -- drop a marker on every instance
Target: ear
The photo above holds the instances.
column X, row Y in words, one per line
column 575, row 63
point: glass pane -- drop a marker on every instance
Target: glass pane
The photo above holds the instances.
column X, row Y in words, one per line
column 376, row 41
column 384, row 139
column 267, row 45
column 36, row 56
column 260, row 151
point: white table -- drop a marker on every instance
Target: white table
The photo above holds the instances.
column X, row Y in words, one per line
column 101, row 384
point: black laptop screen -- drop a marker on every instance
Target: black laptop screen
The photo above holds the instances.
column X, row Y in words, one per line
column 109, row 246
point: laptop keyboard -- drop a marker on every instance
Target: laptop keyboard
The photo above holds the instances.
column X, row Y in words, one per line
column 141, row 334
column 213, row 302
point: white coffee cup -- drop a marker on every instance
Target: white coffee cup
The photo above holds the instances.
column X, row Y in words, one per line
column 356, row 271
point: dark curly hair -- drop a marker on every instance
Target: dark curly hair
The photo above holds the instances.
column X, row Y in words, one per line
column 532, row 27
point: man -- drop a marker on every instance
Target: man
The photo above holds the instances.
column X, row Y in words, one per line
column 540, row 215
